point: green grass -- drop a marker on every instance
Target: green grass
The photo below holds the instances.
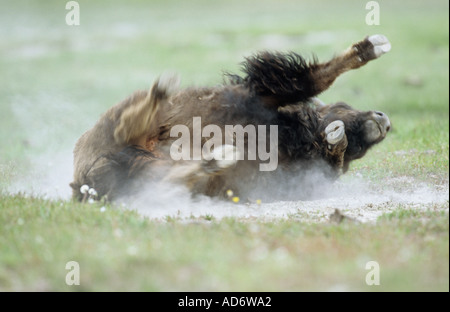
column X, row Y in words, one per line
column 119, row 250
column 56, row 80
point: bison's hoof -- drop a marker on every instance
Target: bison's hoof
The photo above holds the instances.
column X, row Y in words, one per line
column 380, row 44
column 225, row 156
column 335, row 132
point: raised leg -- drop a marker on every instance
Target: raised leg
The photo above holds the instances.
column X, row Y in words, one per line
column 282, row 79
column 323, row 75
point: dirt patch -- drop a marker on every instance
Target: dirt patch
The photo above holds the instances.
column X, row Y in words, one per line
column 356, row 199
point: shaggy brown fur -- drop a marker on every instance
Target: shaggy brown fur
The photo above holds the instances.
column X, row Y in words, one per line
column 131, row 141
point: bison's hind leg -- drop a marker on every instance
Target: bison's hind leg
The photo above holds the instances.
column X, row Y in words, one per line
column 192, row 173
column 223, row 157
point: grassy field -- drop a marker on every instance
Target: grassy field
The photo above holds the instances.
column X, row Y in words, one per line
column 55, row 80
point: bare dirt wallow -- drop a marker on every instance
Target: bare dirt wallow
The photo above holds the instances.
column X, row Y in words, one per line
column 263, row 135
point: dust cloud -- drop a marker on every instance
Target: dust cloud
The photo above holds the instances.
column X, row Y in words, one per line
column 363, row 200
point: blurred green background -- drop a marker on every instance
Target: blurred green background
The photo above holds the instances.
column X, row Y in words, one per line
column 56, row 80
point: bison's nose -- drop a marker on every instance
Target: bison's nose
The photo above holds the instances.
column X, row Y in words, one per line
column 384, row 121
column 388, row 127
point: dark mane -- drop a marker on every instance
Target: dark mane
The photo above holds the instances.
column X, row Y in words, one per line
column 285, row 76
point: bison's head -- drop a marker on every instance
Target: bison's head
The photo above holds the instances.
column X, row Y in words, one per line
column 362, row 129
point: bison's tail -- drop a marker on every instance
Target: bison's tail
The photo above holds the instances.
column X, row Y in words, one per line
column 136, row 119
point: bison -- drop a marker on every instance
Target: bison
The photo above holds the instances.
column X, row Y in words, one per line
column 260, row 134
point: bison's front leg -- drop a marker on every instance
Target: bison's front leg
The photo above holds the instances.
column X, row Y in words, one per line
column 283, row 79
column 324, row 74
column 336, row 144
